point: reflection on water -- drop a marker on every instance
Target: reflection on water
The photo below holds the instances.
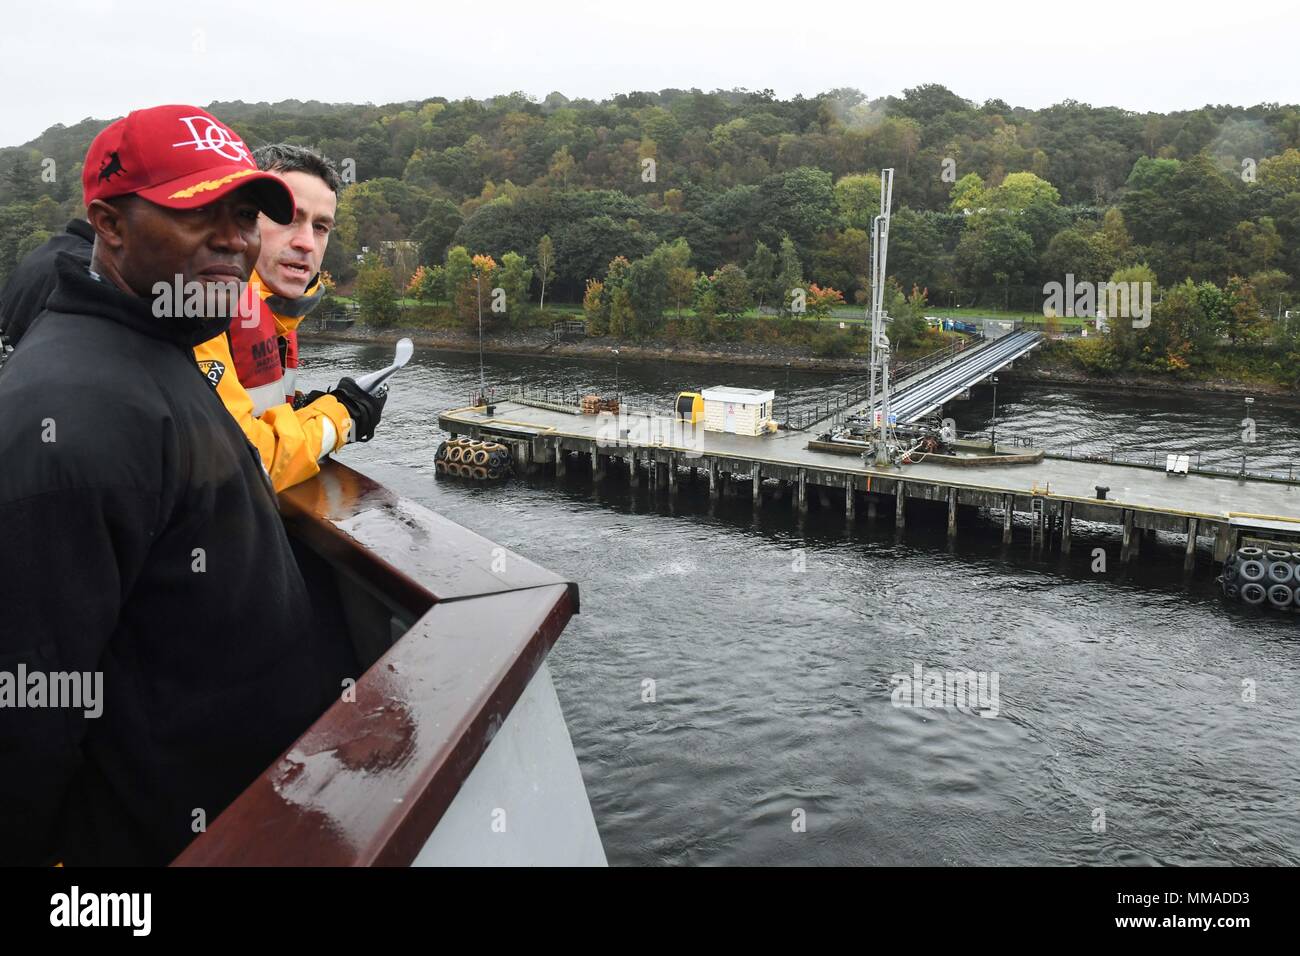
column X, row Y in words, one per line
column 772, row 643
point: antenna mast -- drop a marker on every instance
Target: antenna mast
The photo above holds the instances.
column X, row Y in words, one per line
column 879, row 339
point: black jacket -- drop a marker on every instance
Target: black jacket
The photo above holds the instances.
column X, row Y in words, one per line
column 23, row 297
column 144, row 542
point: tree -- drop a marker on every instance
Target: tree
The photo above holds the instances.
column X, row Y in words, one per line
column 994, row 247
column 479, row 290
column 1125, row 341
column 968, row 194
column 761, row 272
column 458, row 280
column 1245, row 319
column 821, row 301
column 436, row 231
column 681, row 286
column 647, row 288
column 376, row 293
column 789, row 275
column 561, row 167
column 797, row 203
column 545, row 265
column 426, row 283
column 732, row 288
column 595, row 309
column 621, row 314
column 907, row 325
column 857, row 200
column 514, row 279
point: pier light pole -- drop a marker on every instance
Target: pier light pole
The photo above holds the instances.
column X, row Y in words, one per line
column 615, row 351
column 1249, row 402
column 993, row 437
column 478, row 295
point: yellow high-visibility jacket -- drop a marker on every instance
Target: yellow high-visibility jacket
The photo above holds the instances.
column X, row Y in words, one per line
column 245, row 367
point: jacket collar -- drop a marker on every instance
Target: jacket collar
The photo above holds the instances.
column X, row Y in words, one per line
column 77, row 292
column 289, row 312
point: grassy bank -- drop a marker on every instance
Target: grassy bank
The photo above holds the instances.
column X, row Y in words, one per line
column 1227, row 368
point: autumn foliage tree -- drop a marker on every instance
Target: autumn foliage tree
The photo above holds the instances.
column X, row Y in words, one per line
column 822, row 300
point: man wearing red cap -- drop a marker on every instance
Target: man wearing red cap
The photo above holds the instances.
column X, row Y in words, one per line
column 253, row 364
column 143, row 552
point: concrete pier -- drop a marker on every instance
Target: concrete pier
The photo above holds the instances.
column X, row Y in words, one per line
column 1142, row 500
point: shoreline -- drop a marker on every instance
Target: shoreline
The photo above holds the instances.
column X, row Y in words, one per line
column 1032, row 371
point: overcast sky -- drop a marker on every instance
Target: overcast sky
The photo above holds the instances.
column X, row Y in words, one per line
column 65, row 61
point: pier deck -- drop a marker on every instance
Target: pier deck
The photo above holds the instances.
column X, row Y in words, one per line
column 1139, row 497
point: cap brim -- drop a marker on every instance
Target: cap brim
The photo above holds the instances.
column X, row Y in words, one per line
column 191, row 191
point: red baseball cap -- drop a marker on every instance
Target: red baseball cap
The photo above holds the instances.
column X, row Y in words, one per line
column 180, row 157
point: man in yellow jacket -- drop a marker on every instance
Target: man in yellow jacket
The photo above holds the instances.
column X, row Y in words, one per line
column 253, row 366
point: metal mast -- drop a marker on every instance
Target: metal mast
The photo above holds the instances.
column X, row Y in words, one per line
column 879, row 339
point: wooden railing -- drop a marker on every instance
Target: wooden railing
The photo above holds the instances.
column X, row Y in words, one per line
column 370, row 779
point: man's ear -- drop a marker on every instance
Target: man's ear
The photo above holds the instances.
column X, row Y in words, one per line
column 109, row 223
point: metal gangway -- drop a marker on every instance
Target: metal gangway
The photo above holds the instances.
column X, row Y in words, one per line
column 933, row 381
column 941, row 385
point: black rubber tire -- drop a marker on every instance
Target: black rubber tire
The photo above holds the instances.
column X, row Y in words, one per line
column 1253, row 594
column 479, row 473
column 1281, row 572
column 1247, row 553
column 1252, row 571
column 493, row 474
column 440, row 467
column 1278, row 555
column 1279, row 595
column 1232, row 591
column 441, row 453
column 481, row 458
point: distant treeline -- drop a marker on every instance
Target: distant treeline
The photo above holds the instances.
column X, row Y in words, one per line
column 991, row 201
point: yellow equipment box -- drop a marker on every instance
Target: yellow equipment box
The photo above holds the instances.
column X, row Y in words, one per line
column 690, row 407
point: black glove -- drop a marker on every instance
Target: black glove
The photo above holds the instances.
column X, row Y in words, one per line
column 364, row 408
column 302, row 401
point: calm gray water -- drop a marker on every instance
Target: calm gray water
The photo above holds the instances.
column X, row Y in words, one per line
column 1119, row 694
